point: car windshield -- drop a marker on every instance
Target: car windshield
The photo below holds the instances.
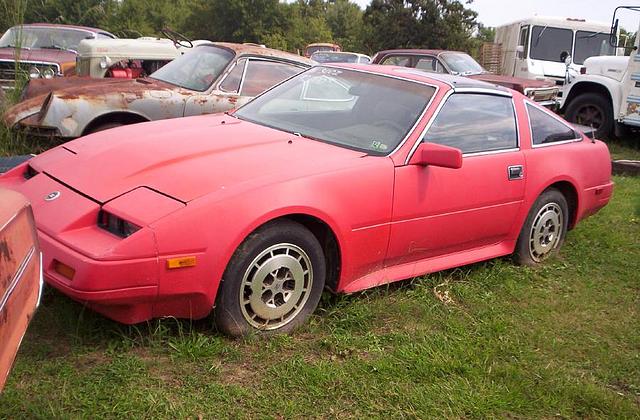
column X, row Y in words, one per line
column 461, row 63
column 31, row 37
column 197, row 69
column 318, row 48
column 551, row 44
column 590, row 44
column 332, row 57
column 348, row 108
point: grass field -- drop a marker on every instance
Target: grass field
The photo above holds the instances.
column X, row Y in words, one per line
column 487, row 340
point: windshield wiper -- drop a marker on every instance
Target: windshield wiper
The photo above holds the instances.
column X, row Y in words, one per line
column 15, row 46
column 540, row 34
column 590, row 36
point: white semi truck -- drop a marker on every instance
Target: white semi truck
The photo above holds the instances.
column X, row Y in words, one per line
column 606, row 93
column 537, row 47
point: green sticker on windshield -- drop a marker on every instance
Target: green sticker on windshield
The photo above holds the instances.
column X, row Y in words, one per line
column 377, row 145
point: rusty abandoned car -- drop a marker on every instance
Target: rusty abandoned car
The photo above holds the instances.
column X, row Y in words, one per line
column 215, row 77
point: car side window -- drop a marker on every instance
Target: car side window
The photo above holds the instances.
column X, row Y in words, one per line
column 263, row 74
column 231, row 82
column 397, row 60
column 430, row 64
column 475, row 123
column 546, row 129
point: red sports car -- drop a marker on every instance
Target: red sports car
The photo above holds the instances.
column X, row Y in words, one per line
column 345, row 177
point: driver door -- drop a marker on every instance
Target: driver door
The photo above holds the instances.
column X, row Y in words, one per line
column 439, row 211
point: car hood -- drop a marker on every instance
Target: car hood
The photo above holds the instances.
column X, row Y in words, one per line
column 187, row 158
column 43, row 55
column 75, row 84
column 515, row 83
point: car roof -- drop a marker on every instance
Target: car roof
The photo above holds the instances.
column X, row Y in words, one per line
column 61, row 26
column 418, row 51
column 252, row 49
column 454, row 82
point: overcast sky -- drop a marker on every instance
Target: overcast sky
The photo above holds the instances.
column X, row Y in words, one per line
column 497, row 12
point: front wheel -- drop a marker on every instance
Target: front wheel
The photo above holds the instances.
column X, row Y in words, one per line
column 273, row 282
column 544, row 231
column 592, row 110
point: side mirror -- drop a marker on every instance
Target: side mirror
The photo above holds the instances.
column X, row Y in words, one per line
column 437, row 155
column 520, row 51
column 565, row 57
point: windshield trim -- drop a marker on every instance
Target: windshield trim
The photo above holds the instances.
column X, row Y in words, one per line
column 392, row 76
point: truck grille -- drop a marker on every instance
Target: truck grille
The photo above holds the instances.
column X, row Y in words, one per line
column 8, row 70
column 543, row 94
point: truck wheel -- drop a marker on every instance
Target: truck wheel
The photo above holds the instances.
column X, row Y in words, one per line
column 593, row 110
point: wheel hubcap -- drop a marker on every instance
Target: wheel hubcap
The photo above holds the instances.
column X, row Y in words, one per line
column 546, row 231
column 276, row 286
column 590, row 115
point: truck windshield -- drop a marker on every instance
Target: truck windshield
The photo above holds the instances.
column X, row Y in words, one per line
column 197, row 69
column 591, row 44
column 31, row 37
column 548, row 43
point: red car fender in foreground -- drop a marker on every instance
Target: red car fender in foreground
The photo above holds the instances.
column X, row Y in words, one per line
column 20, row 275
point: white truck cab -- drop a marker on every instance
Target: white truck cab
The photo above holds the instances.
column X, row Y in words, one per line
column 606, row 93
column 537, row 47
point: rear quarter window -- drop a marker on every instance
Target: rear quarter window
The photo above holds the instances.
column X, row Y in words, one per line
column 547, row 129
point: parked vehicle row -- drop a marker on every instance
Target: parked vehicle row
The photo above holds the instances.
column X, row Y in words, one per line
column 249, row 214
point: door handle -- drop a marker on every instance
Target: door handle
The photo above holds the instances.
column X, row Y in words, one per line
column 515, row 172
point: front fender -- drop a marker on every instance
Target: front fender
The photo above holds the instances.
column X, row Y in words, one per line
column 581, row 83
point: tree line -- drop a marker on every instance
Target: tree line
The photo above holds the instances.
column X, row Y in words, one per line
column 289, row 26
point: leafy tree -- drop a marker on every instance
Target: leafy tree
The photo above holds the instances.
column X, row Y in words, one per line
column 444, row 24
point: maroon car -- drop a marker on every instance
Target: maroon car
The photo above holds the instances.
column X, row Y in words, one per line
column 44, row 50
column 461, row 64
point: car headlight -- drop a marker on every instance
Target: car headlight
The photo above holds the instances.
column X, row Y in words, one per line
column 105, row 62
column 34, row 73
column 48, row 73
column 116, row 225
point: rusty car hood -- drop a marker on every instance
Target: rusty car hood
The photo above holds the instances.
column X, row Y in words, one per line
column 187, row 158
column 39, row 54
column 38, row 87
column 515, row 83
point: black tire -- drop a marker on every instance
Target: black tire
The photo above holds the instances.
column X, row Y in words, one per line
column 550, row 217
column 592, row 109
column 105, row 126
column 261, row 261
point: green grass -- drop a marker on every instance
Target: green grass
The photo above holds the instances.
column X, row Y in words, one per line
column 561, row 340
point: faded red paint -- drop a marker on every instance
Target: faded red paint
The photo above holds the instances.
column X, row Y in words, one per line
column 220, row 178
column 19, row 275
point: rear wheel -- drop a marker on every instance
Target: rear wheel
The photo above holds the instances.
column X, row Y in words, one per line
column 544, row 231
column 273, row 282
column 592, row 110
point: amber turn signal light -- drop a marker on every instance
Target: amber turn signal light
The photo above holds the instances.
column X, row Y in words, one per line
column 64, row 270
column 181, row 262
